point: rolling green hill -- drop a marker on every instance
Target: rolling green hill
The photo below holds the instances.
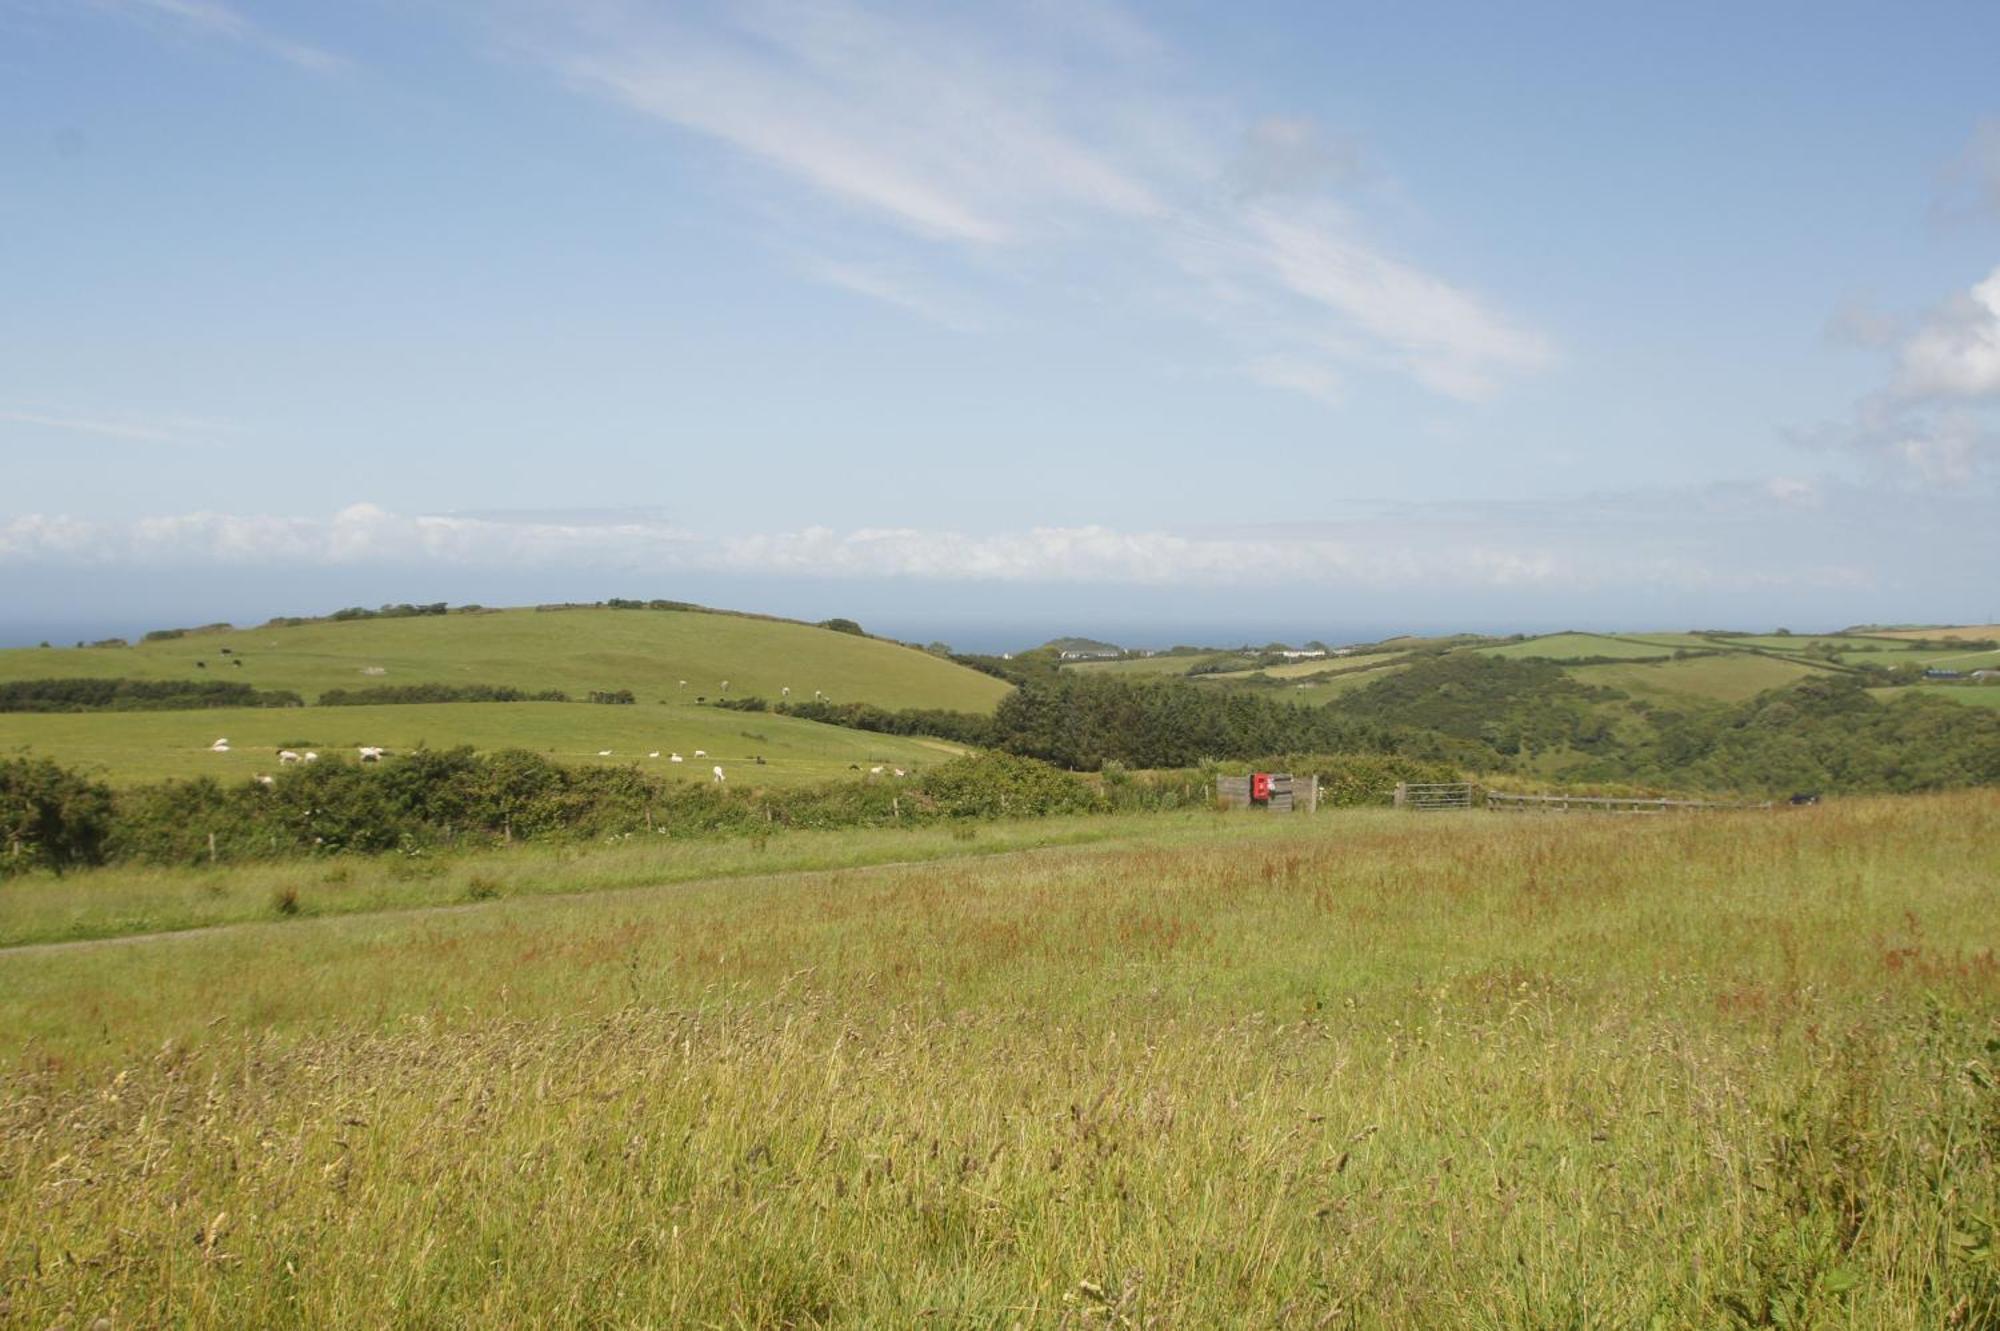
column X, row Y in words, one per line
column 576, row 650
column 647, row 651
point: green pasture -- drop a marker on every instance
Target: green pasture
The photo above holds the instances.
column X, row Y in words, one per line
column 647, row 651
column 131, row 747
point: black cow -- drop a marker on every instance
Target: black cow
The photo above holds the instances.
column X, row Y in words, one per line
column 1806, row 797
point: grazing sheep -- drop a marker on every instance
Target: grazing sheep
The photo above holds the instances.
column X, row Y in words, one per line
column 287, row 756
column 311, row 757
column 654, row 754
column 701, row 753
column 875, row 771
column 674, row 758
column 718, row 772
column 220, row 746
column 266, row 779
column 604, row 753
column 370, row 753
column 900, row 772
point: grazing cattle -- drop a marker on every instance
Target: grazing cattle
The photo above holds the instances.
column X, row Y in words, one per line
column 287, row 756
column 237, row 662
column 675, row 758
column 1806, row 797
column 370, row 753
column 201, row 665
column 718, row 772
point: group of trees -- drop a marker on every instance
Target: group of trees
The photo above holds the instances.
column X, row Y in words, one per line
column 136, row 695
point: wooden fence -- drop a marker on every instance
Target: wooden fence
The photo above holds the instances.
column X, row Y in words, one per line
column 1503, row 803
column 1434, row 796
column 1288, row 793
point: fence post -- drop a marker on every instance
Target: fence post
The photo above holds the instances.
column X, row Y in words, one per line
column 211, row 847
column 1402, row 793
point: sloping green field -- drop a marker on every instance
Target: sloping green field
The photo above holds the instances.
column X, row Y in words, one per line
column 1572, row 646
column 130, row 747
column 647, row 651
column 1151, row 665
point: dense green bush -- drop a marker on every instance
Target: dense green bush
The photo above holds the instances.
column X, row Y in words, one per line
column 136, row 695
column 1001, row 785
column 371, row 695
column 50, row 818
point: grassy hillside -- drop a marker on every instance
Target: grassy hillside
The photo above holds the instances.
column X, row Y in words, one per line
column 647, row 651
column 130, row 747
column 1361, row 1070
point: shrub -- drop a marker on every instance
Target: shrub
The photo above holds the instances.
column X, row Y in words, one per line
column 50, row 817
column 994, row 785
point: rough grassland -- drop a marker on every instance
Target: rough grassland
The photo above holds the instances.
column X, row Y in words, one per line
column 128, row 747
column 1961, row 631
column 1357, row 1070
column 647, row 651
column 1980, row 695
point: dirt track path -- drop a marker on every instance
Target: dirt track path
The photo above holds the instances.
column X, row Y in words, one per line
column 458, row 907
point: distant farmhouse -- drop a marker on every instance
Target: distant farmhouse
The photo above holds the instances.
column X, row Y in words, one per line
column 1091, row 654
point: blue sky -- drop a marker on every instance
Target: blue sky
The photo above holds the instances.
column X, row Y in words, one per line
column 1287, row 318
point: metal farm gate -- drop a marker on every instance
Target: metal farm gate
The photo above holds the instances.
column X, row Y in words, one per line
column 1434, row 796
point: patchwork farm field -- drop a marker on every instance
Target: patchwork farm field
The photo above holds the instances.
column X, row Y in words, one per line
column 1361, row 1069
column 131, row 747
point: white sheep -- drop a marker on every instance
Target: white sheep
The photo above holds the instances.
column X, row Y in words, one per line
column 604, row 753
column 875, row 771
column 785, row 692
column 701, row 753
column 674, row 758
column 899, row 772
column 311, row 757
column 718, row 771
column 370, row 753
column 265, row 779
column 287, row 756
column 220, row 746
column 654, row 754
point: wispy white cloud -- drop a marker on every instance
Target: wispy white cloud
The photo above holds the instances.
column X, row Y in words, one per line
column 214, row 19
column 1970, row 187
column 894, row 289
column 1061, row 138
column 120, row 428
